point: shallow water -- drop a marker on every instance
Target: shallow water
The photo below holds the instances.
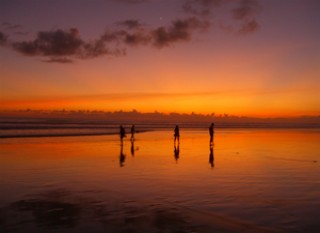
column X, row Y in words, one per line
column 248, row 181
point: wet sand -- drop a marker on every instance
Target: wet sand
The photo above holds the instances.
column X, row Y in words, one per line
column 249, row 181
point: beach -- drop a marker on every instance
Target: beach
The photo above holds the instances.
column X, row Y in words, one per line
column 249, row 180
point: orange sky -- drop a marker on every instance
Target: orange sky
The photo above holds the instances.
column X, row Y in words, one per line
column 271, row 70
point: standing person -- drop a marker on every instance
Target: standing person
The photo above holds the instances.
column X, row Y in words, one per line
column 122, row 133
column 132, row 132
column 176, row 134
column 211, row 131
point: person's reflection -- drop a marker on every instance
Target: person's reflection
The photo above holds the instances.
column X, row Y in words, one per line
column 211, row 156
column 122, row 156
column 122, row 134
column 176, row 152
column 132, row 148
column 133, row 130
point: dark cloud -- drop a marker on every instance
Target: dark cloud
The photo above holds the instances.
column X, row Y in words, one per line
column 180, row 30
column 3, row 38
column 64, row 46
column 244, row 12
column 130, row 23
column 248, row 27
column 132, row 37
column 136, row 34
column 101, row 47
column 51, row 43
column 137, row 38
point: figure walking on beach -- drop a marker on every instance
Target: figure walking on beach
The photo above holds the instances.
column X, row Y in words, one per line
column 211, row 132
column 133, row 130
column 122, row 133
column 176, row 134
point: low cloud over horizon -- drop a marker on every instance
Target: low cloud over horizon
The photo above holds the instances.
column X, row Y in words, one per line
column 65, row 46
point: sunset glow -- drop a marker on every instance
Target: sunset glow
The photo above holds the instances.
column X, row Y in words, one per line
column 254, row 58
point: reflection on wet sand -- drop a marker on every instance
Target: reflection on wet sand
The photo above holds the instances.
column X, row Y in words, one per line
column 211, row 145
column 176, row 152
column 64, row 211
column 49, row 213
column 132, row 147
column 61, row 210
column 273, row 184
column 122, row 156
column 211, row 156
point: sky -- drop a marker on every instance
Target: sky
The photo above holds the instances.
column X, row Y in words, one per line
column 241, row 57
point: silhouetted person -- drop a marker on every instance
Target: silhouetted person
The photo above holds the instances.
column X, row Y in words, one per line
column 132, row 148
column 122, row 156
column 211, row 132
column 211, row 156
column 122, row 133
column 176, row 152
column 176, row 134
column 133, row 130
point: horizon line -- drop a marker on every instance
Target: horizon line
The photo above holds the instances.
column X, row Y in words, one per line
column 192, row 113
